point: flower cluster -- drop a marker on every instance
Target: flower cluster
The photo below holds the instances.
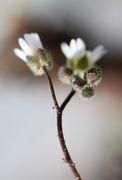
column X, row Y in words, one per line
column 80, row 70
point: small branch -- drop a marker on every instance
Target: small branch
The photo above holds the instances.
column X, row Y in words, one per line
column 65, row 102
column 52, row 90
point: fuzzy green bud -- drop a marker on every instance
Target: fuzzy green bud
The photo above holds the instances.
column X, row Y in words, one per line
column 87, row 92
column 93, row 76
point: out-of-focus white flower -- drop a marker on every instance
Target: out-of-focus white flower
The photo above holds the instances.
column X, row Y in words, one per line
column 82, row 63
column 33, row 53
column 77, row 49
column 78, row 58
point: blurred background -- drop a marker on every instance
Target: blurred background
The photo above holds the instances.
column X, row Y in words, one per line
column 29, row 147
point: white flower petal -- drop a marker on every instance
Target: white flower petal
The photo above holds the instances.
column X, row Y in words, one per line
column 80, row 53
column 89, row 54
column 31, row 42
column 73, row 46
column 20, row 54
column 66, row 50
column 77, row 48
column 97, row 53
column 37, row 40
column 80, row 44
column 25, row 47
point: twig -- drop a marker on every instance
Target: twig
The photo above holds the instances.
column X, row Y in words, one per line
column 65, row 102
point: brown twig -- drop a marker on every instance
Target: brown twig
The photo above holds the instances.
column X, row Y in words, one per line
column 65, row 102
column 59, row 126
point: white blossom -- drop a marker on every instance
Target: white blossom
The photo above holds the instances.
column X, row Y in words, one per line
column 33, row 53
column 77, row 49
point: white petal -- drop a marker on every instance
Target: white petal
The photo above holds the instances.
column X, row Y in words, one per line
column 80, row 53
column 25, row 47
column 66, row 50
column 20, row 54
column 98, row 52
column 81, row 44
column 89, row 54
column 37, row 40
column 73, row 46
column 31, row 42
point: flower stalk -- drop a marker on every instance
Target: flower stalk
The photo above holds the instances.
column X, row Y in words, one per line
column 60, row 128
column 52, row 91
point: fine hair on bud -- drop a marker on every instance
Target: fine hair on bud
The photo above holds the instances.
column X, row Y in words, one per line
column 93, row 76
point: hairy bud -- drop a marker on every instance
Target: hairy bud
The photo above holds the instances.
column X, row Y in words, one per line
column 93, row 76
column 87, row 92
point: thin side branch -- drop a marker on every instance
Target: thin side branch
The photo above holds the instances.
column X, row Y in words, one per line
column 65, row 102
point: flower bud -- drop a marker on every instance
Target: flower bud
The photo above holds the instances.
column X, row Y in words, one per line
column 87, row 92
column 65, row 74
column 78, row 83
column 93, row 76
